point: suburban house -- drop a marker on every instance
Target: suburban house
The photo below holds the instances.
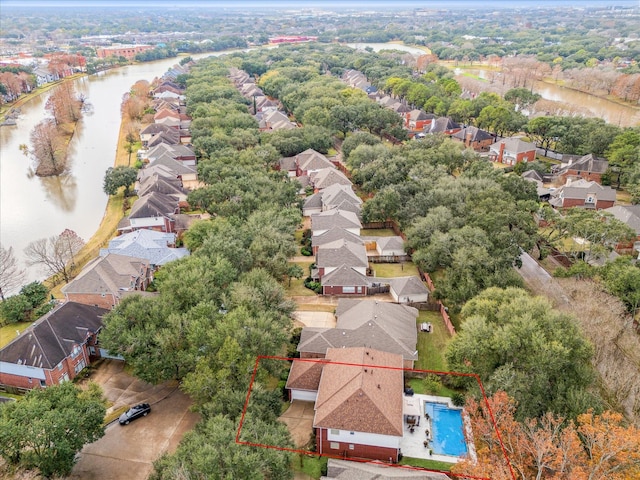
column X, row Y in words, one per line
column 383, row 326
column 588, row 167
column 274, row 121
column 474, row 137
column 444, row 125
column 158, row 248
column 332, row 255
column 324, row 221
column 628, row 214
column 345, row 280
column 53, row 349
column 311, row 161
column 512, row 150
column 418, row 120
column 162, row 184
column 334, row 196
column 358, row 402
column 331, row 235
column 544, row 193
column 150, row 131
column 326, row 177
column 188, row 175
column 178, row 152
column 105, row 280
column 154, row 211
column 583, row 194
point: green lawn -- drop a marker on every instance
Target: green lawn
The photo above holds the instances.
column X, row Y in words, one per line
column 430, row 464
column 377, row 232
column 432, row 345
column 297, row 288
column 310, row 464
column 392, row 270
column 8, row 332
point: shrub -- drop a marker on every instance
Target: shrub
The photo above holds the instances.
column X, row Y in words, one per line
column 306, row 251
column 457, row 399
column 15, row 309
column 35, row 293
column 44, row 309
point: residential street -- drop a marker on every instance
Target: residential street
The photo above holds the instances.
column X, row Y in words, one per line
column 127, row 452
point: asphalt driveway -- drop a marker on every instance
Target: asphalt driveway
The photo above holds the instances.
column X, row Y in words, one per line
column 127, row 452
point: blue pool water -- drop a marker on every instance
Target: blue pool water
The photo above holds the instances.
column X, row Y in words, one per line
column 447, row 437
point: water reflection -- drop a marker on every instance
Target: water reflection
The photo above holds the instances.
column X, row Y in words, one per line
column 61, row 191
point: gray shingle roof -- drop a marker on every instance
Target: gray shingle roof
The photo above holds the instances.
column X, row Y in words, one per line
column 148, row 244
column 346, row 470
column 342, row 252
column 334, row 234
column 334, row 218
column 588, row 163
column 629, row 214
column 154, row 204
column 51, row 338
column 109, row 274
column 384, row 326
column 345, row 276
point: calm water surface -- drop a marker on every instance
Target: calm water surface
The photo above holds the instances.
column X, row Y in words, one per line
column 33, row 207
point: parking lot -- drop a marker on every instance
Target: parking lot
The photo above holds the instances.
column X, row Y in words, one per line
column 128, row 452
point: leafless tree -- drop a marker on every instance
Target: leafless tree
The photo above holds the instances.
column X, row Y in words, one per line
column 55, row 254
column 48, row 148
column 11, row 275
column 64, row 104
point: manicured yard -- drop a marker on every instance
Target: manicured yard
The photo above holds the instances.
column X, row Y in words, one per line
column 297, row 288
column 8, row 332
column 392, row 270
column 432, row 345
column 429, row 464
column 312, row 465
column 377, row 232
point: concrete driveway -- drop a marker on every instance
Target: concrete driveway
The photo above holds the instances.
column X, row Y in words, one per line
column 299, row 421
column 127, row 452
column 315, row 319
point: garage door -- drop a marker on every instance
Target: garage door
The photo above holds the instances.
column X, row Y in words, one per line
column 304, row 395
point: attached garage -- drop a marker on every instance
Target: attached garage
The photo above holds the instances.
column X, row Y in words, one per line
column 304, row 395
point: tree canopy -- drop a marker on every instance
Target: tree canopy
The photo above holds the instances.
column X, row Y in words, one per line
column 49, row 426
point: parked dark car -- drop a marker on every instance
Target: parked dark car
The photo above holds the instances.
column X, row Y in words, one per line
column 134, row 412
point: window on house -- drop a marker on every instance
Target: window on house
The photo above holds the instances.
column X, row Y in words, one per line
column 333, row 431
column 351, row 446
column 334, row 445
column 43, row 383
column 30, row 379
column 352, row 433
column 60, row 366
column 590, row 199
column 348, row 289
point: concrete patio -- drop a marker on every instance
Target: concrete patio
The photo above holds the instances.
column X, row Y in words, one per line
column 412, row 444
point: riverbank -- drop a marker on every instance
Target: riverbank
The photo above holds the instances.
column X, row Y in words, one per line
column 452, row 64
column 112, row 215
column 7, row 107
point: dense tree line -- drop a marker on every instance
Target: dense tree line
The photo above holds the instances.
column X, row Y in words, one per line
column 220, row 308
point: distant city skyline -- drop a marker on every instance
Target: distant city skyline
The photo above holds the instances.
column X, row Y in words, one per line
column 330, row 4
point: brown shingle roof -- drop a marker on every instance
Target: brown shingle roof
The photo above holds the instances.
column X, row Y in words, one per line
column 356, row 394
column 305, row 374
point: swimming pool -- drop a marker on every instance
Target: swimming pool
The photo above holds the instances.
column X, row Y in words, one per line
column 447, row 437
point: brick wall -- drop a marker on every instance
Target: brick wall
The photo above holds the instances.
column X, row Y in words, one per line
column 323, row 446
column 108, row 301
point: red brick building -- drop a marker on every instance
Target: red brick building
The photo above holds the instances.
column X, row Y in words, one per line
column 54, row 349
column 126, row 51
column 511, row 151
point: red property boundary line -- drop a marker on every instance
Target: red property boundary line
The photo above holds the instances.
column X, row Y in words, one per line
column 364, row 460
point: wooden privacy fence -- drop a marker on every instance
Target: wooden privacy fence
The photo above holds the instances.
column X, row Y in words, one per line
column 439, row 306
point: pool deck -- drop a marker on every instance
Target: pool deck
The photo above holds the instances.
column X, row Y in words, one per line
column 412, row 444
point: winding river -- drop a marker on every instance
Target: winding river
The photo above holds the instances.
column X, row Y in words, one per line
column 32, row 207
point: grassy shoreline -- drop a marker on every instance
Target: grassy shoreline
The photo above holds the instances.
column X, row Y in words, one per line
column 112, row 215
